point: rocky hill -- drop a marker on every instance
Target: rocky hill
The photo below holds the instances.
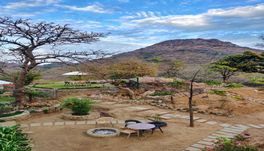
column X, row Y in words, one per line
column 190, row 51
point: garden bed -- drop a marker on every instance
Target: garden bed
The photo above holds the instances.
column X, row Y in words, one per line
column 15, row 115
column 90, row 116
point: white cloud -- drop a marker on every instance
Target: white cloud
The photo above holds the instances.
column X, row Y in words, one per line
column 203, row 20
column 244, row 11
column 95, row 8
column 29, row 3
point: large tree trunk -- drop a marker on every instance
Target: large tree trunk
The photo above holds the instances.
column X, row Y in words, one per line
column 19, row 92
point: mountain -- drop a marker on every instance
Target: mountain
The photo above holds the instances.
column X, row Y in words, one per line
column 190, row 51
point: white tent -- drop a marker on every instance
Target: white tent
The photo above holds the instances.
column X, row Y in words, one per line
column 74, row 73
column 5, row 82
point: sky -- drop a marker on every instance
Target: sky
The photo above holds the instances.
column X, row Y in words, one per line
column 134, row 24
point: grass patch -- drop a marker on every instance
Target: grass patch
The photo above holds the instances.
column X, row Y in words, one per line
column 234, row 85
column 218, row 92
column 257, row 81
column 213, row 83
column 177, row 84
column 11, row 114
column 62, row 86
column 6, row 99
column 162, row 93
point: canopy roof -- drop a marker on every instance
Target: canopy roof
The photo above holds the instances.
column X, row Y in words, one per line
column 5, row 82
column 74, row 73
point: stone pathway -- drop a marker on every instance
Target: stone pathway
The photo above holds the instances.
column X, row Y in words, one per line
column 209, row 141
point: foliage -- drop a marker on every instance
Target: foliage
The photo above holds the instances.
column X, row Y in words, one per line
column 246, row 62
column 218, row 92
column 257, row 80
column 223, row 68
column 30, row 77
column 33, row 93
column 225, row 144
column 7, row 99
column 157, row 59
column 233, row 85
column 126, row 69
column 177, row 84
column 162, row 93
column 79, row 106
column 213, row 83
column 5, row 108
column 12, row 139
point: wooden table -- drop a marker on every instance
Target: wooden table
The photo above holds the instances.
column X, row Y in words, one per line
column 140, row 127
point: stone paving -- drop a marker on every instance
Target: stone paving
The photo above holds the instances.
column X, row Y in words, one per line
column 209, row 141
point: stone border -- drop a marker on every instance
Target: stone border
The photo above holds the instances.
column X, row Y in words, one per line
column 91, row 116
column 90, row 132
column 24, row 115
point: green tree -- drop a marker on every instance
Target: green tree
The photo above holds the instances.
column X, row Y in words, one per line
column 223, row 68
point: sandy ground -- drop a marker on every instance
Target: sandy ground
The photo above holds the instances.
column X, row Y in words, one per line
column 176, row 137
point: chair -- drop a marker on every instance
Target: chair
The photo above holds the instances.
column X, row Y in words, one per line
column 105, row 120
column 158, row 125
column 127, row 122
column 127, row 131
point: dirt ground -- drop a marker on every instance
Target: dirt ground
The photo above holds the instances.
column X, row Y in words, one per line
column 176, row 137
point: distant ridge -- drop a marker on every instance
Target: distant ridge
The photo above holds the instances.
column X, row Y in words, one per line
column 190, row 51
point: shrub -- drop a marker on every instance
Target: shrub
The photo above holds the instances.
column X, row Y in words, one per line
column 5, row 108
column 218, row 92
column 213, row 82
column 234, row 85
column 79, row 106
column 225, row 144
column 257, row 81
column 177, row 84
column 162, row 93
column 12, row 139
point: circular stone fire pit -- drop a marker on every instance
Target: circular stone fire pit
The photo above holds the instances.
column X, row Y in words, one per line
column 103, row 132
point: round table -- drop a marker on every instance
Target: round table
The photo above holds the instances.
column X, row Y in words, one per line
column 140, row 127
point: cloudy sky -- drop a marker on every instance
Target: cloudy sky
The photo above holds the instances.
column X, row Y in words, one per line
column 139, row 23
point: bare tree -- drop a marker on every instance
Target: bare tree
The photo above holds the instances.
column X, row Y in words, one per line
column 20, row 40
column 191, row 98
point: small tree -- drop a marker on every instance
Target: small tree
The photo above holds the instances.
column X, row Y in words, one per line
column 132, row 68
column 224, row 70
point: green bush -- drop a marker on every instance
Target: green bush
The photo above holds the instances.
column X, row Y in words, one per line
column 257, row 80
column 234, row 85
column 5, row 108
column 162, row 93
column 218, row 92
column 213, row 82
column 12, row 139
column 79, row 106
column 7, row 99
